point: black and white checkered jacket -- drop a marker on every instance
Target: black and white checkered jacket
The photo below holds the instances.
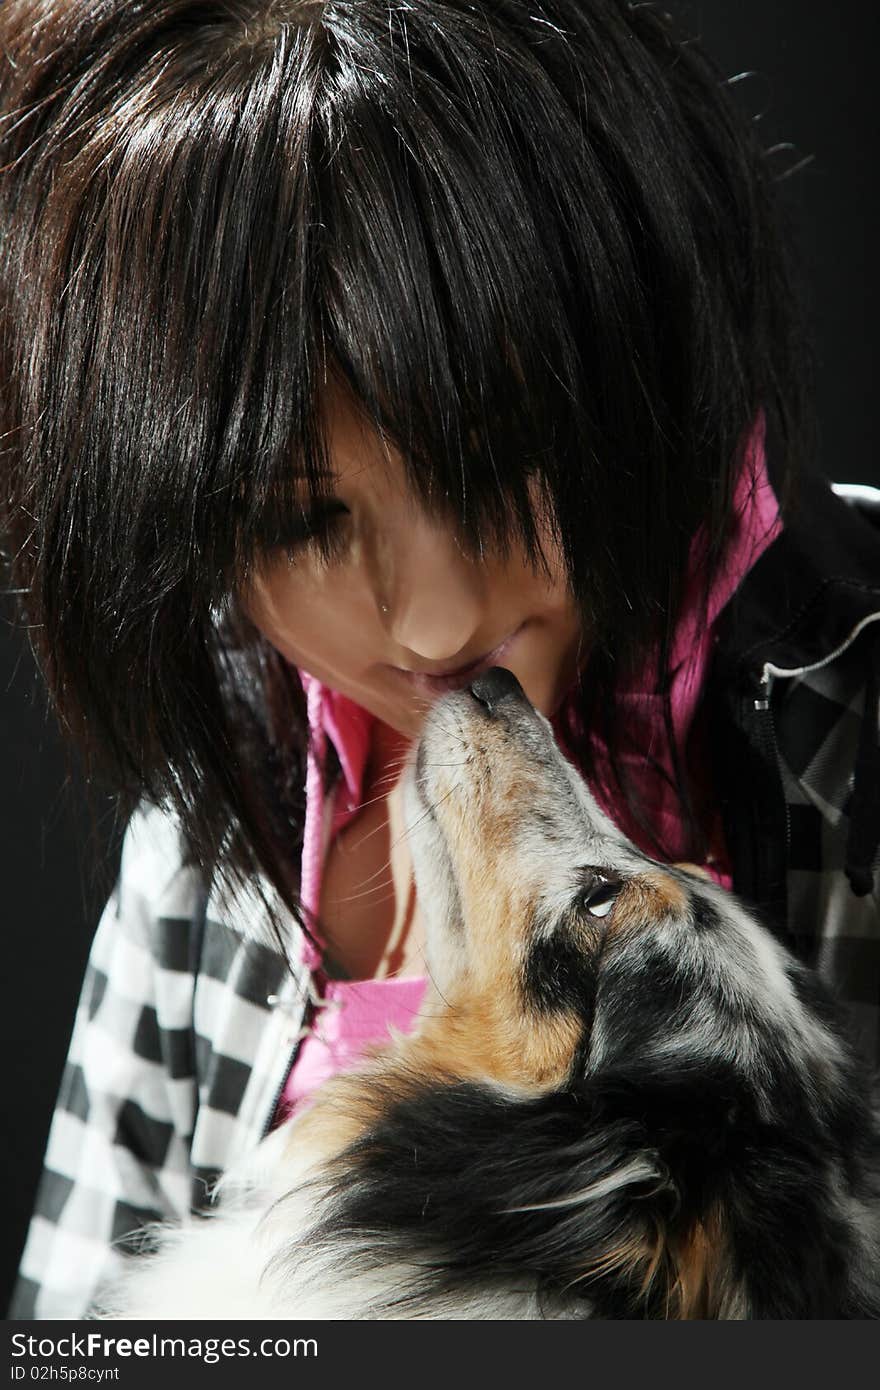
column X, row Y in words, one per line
column 187, row 1024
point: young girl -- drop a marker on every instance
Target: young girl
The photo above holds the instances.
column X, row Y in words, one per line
column 348, row 350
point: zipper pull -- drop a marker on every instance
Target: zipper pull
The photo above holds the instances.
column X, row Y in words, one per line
column 765, row 690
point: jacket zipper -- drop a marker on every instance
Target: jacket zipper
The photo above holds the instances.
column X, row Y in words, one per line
column 279, row 1092
column 308, row 1024
column 269, row 1122
column 768, row 866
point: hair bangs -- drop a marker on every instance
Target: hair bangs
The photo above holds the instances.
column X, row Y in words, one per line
column 435, row 277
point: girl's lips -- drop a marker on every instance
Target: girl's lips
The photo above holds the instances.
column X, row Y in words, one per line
column 457, row 680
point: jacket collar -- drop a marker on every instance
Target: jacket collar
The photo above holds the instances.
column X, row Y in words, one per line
column 811, row 591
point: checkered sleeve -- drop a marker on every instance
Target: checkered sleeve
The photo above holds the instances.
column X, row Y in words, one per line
column 118, row 1148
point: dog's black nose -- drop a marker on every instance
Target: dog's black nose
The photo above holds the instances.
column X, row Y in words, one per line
column 493, row 686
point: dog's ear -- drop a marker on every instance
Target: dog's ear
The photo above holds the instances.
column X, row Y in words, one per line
column 611, row 1226
column 657, row 1265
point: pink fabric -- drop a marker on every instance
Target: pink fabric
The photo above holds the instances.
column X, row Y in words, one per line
column 355, row 1014
column 349, row 727
column 358, row 1013
column 313, row 831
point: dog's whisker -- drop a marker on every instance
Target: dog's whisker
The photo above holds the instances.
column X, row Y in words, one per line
column 426, row 763
column 449, row 1006
column 375, row 800
column 429, row 708
column 369, row 893
column 429, row 811
column 386, row 867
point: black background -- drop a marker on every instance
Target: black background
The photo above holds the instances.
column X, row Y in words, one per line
column 816, row 87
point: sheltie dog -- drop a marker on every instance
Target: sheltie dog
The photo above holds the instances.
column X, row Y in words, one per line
column 624, row 1098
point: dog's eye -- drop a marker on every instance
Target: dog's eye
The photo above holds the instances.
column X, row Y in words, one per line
column 599, row 899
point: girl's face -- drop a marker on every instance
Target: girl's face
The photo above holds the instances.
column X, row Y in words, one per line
column 399, row 613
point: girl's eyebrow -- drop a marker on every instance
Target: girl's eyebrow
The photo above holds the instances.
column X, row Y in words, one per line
column 320, row 485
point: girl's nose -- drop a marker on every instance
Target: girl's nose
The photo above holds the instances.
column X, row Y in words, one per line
column 436, row 595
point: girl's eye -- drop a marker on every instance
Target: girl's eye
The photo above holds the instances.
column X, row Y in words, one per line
column 324, row 529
